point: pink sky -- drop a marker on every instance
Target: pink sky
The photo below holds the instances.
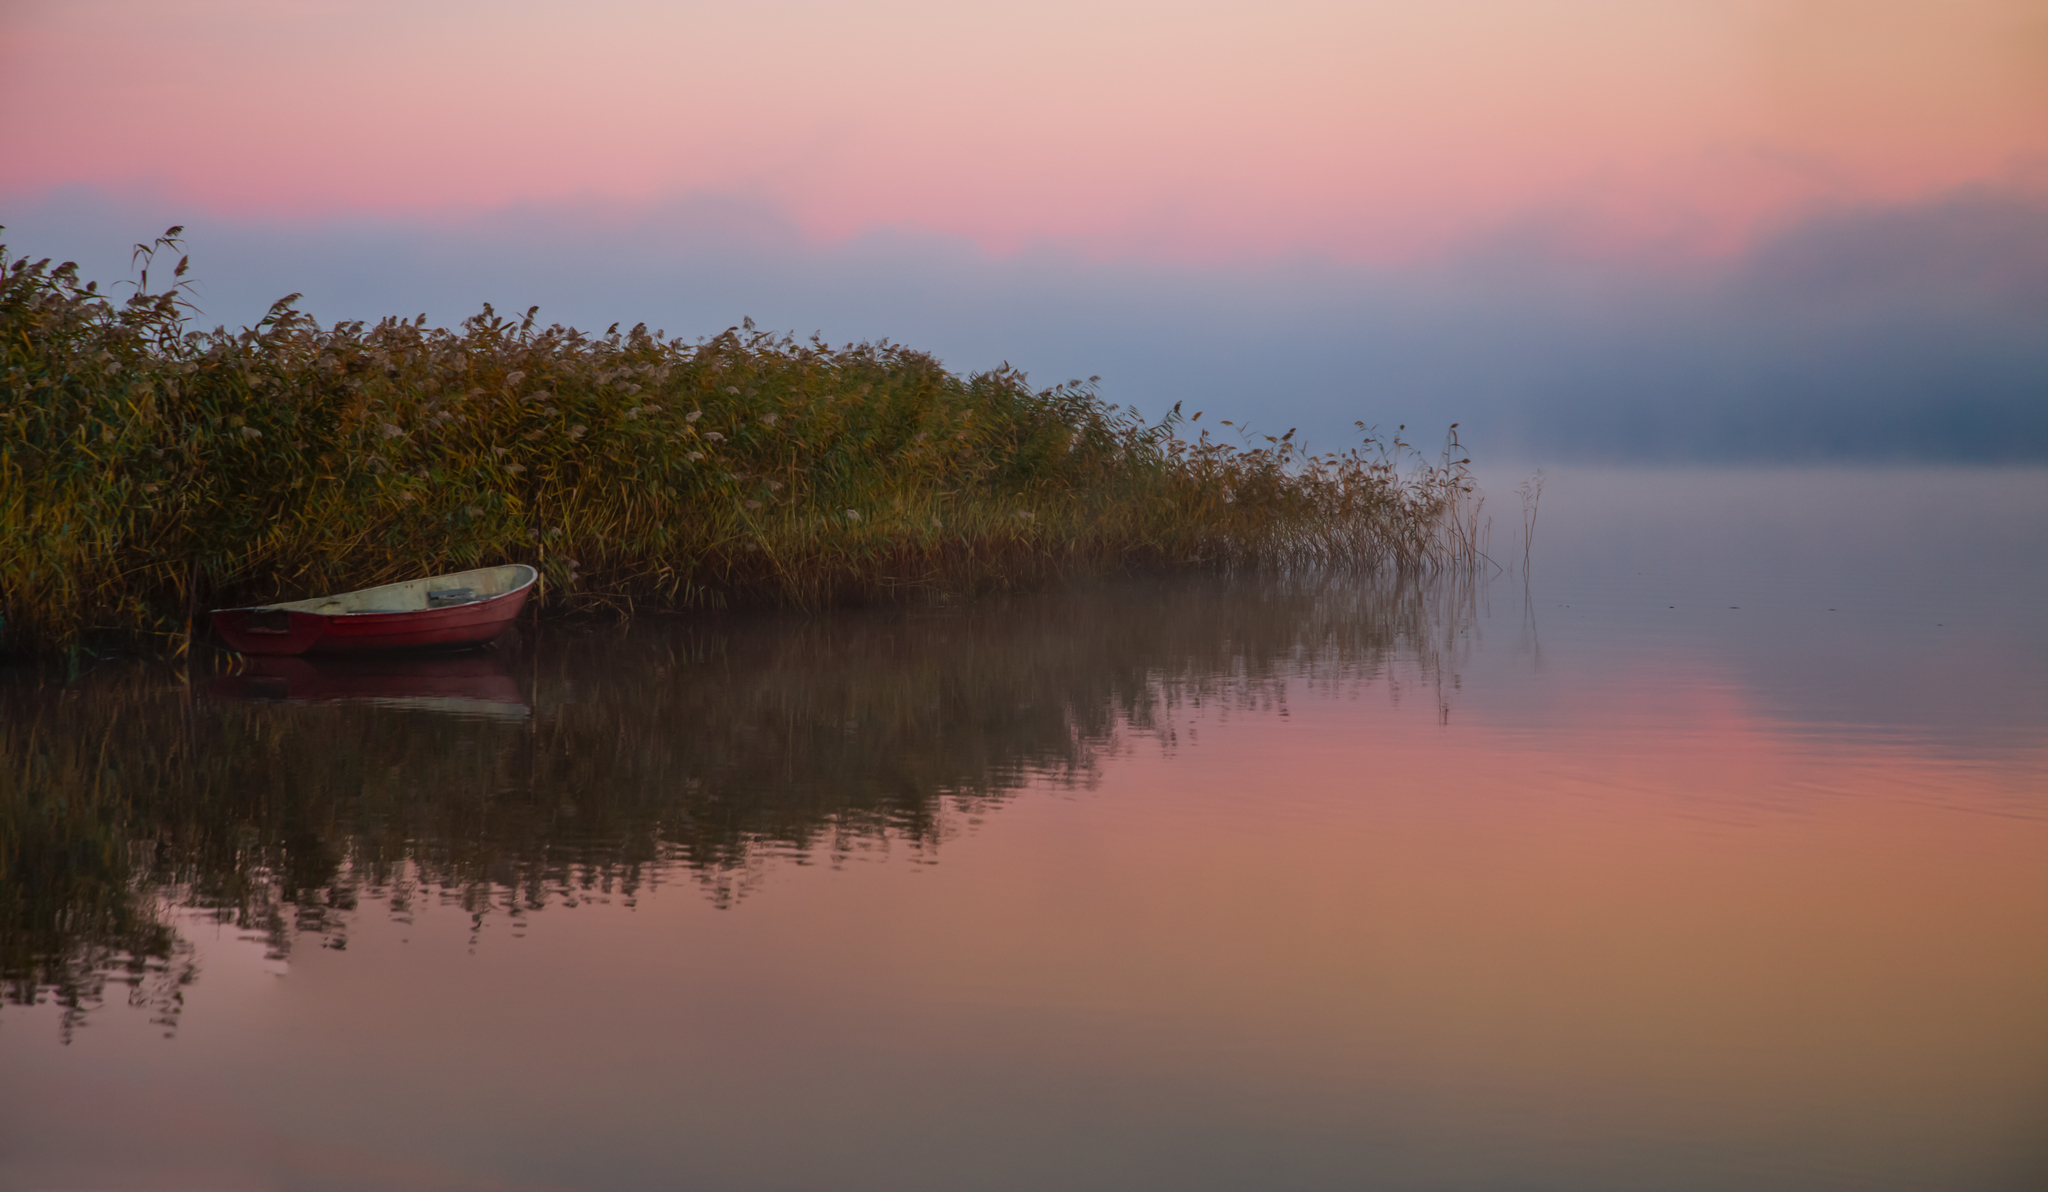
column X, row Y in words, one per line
column 1117, row 128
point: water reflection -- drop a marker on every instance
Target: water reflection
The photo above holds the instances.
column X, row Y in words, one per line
column 473, row 683
column 594, row 760
column 1276, row 885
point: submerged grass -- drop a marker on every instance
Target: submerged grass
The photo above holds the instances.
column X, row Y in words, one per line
column 148, row 470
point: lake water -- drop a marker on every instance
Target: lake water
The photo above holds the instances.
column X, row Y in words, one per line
column 1708, row 852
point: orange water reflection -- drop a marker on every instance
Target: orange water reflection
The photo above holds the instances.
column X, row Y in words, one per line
column 1609, row 925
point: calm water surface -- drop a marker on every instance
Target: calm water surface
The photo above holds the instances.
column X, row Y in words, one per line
column 1711, row 852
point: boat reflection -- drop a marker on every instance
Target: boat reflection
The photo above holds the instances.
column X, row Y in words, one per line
column 474, row 685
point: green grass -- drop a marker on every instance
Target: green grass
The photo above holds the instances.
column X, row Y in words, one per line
column 149, row 470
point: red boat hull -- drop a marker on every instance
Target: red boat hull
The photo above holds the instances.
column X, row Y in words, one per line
column 285, row 631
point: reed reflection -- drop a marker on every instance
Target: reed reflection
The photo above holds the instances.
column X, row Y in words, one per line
column 595, row 760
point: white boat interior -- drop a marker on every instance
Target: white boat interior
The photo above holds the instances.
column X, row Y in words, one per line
column 418, row 595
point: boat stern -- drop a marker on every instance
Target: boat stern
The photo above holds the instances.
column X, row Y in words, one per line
column 272, row 631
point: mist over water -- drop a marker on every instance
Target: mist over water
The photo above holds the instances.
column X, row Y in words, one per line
column 1695, row 840
column 1908, row 332
column 1706, row 848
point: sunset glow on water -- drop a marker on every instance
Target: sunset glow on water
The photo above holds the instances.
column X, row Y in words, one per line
column 1291, row 884
column 1695, row 839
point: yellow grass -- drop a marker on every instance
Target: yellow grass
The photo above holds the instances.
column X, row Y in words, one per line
column 148, row 470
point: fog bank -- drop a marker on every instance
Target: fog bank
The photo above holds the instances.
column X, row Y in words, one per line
column 1877, row 333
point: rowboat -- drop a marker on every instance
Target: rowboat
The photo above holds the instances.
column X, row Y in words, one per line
column 463, row 608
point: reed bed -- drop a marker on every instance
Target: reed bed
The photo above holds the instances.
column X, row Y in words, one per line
column 149, row 470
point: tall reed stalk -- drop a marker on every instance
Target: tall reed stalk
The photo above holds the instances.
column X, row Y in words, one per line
column 148, row 470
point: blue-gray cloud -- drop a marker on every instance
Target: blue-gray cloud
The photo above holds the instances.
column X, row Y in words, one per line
column 1907, row 332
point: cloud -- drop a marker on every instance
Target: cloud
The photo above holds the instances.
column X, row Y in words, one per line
column 1909, row 331
column 1902, row 332
column 1211, row 132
